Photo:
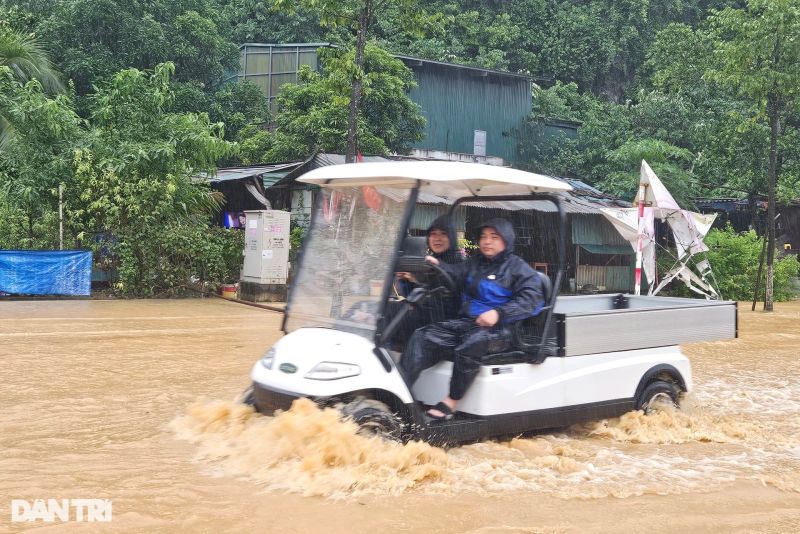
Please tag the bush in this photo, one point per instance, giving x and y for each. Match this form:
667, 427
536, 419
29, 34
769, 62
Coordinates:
18, 231
163, 261
734, 260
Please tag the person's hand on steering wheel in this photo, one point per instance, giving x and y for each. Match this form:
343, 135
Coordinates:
407, 276
444, 276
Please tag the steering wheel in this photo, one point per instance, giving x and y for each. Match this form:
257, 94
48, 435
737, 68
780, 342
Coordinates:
444, 277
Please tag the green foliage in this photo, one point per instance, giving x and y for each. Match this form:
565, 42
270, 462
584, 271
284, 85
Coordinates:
256, 21
314, 115
757, 50
176, 255
133, 179
255, 144
27, 59
734, 260
239, 105
296, 237
91, 40
35, 159
678, 59
669, 162
19, 231
407, 14
198, 49
466, 246
727, 128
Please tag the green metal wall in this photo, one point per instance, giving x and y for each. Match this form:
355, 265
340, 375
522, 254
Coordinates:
594, 229
270, 66
456, 102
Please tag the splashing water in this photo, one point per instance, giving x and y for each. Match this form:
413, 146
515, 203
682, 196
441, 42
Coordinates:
306, 450
716, 438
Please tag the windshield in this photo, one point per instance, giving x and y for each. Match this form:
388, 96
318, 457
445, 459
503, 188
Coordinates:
346, 259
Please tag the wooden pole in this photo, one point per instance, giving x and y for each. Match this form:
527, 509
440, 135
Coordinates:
637, 287
60, 216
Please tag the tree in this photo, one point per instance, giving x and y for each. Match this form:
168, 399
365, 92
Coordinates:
134, 178
730, 142
199, 50
239, 105
36, 158
27, 59
359, 16
759, 56
314, 114
91, 40
256, 21
24, 59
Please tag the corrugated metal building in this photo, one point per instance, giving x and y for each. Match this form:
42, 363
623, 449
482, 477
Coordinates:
470, 111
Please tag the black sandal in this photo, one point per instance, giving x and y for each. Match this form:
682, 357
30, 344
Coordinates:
445, 409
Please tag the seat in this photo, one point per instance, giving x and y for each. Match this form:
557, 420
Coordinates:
527, 333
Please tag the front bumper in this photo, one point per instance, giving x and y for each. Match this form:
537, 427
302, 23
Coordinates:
268, 400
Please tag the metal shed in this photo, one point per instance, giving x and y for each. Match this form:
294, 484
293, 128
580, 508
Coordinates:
470, 111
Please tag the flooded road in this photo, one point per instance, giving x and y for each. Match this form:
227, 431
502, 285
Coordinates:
131, 401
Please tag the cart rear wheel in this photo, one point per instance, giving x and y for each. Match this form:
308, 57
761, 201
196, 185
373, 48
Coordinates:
655, 393
374, 419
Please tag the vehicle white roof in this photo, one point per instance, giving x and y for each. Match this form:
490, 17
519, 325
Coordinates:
448, 179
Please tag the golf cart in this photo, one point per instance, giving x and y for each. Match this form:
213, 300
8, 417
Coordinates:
580, 358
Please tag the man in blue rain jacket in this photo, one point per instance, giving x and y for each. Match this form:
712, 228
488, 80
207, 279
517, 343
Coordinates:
498, 289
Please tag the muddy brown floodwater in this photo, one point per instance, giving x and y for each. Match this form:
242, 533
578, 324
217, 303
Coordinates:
131, 401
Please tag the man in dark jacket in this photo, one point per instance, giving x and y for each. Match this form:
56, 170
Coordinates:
498, 289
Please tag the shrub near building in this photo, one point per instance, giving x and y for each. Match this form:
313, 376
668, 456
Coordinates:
734, 260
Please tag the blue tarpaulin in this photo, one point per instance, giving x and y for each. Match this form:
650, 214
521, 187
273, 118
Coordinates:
46, 272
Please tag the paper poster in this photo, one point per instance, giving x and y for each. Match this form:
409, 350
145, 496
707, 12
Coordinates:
252, 223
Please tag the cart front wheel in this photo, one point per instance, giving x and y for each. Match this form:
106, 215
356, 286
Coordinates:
248, 396
374, 418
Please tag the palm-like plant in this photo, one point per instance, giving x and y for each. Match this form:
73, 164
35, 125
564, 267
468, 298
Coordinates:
26, 59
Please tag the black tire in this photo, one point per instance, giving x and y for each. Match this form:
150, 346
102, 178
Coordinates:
248, 397
658, 391
374, 418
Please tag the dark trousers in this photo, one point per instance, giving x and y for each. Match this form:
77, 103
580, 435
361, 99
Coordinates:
461, 339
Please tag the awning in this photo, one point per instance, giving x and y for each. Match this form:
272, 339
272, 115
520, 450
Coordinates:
272, 178
607, 249
276, 170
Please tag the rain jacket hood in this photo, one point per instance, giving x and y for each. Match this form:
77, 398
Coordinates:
451, 255
506, 231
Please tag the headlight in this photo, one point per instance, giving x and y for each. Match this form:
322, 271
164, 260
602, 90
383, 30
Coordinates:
268, 358
333, 371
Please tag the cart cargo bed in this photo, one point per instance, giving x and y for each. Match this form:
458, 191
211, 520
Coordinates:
607, 323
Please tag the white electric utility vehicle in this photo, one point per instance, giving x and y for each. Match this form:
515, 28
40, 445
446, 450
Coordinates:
582, 358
